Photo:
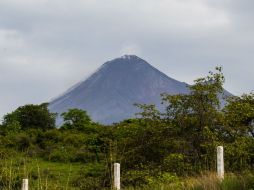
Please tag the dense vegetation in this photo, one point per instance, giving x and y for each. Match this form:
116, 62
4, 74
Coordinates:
155, 148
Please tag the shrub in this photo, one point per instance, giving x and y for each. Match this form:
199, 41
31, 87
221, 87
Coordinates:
92, 177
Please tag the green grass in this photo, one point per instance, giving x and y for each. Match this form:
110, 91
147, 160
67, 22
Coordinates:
46, 175
42, 174
207, 181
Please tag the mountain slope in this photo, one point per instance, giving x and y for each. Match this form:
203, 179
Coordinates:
109, 94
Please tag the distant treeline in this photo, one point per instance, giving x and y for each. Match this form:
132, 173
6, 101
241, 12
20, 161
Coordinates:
180, 141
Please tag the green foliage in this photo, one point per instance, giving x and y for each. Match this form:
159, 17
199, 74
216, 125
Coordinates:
76, 117
239, 115
137, 178
204, 182
149, 112
240, 154
11, 124
79, 120
174, 163
30, 116
93, 177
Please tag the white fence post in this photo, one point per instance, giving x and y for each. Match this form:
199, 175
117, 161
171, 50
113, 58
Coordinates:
24, 184
117, 183
220, 162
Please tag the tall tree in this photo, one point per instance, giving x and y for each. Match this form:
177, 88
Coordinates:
201, 107
76, 119
31, 116
239, 115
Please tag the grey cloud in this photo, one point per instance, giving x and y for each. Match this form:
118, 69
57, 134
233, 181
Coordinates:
48, 45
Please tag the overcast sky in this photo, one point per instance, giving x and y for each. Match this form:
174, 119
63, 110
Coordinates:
46, 46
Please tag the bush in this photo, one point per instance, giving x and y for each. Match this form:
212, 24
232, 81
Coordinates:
174, 163
137, 178
23, 141
92, 177
60, 155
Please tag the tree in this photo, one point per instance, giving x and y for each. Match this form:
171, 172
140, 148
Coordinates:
11, 123
149, 112
196, 117
76, 119
31, 116
239, 115
201, 107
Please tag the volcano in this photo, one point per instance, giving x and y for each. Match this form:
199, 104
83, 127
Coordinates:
108, 94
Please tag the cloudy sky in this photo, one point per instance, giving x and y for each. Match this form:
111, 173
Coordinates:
46, 46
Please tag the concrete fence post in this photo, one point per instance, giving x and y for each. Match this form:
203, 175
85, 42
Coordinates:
117, 183
24, 184
220, 162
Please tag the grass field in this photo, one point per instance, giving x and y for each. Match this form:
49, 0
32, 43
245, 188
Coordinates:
207, 181
42, 174
45, 175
